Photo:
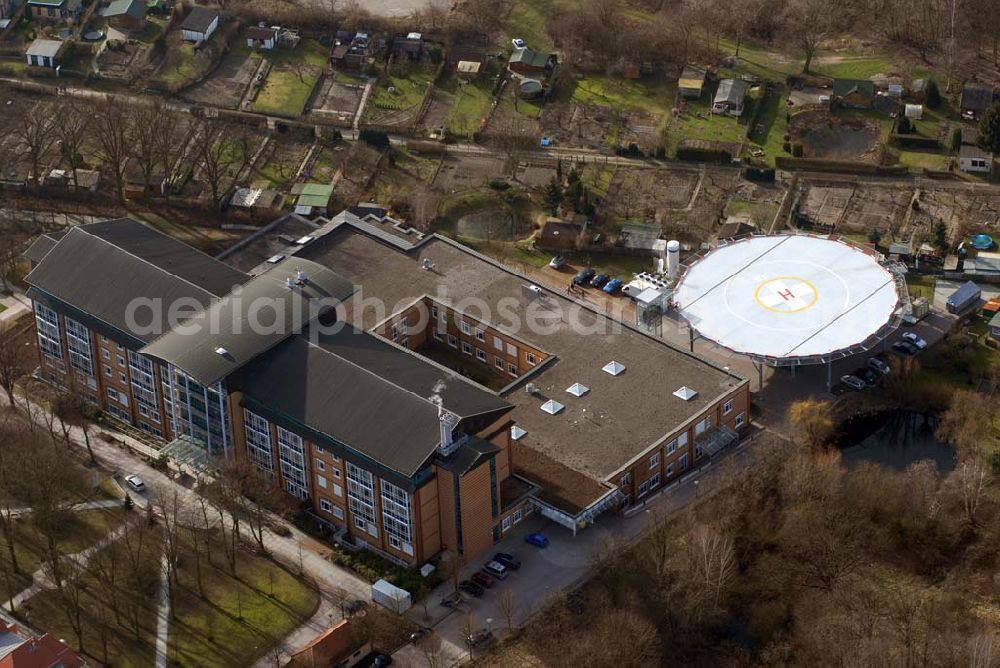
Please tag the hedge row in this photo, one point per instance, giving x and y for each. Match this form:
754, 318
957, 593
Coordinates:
914, 141
704, 155
818, 165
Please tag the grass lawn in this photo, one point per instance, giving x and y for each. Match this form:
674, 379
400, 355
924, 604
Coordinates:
855, 67
2, 308
527, 21
696, 122
917, 160
651, 94
240, 619
471, 103
409, 84
182, 64
286, 91
920, 285
771, 123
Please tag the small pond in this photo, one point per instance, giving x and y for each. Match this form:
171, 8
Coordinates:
895, 439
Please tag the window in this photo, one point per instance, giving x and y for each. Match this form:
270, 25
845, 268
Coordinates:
499, 362
321, 481
143, 382
404, 328
292, 458
480, 335
654, 461
438, 336
106, 354
703, 426
682, 463
78, 342
336, 473
122, 378
452, 341
104, 339
320, 464
336, 457
531, 359
396, 514
654, 482
626, 480
338, 490
47, 324
505, 525
393, 332
740, 419
512, 369
516, 516
259, 441
112, 394
121, 361
405, 342
512, 350
338, 512
434, 312
727, 408
670, 470
326, 506
498, 343
671, 446
107, 371
361, 495
466, 348
643, 488
480, 355
466, 327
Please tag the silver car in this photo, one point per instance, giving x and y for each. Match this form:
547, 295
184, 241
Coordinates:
853, 382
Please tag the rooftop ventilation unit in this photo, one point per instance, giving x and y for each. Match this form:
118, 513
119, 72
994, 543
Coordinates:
427, 264
301, 277
552, 407
577, 390
222, 351
614, 368
302, 241
275, 259
530, 388
686, 393
516, 432
290, 282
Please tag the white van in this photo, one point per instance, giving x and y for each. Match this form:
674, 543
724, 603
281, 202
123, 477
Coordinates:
496, 569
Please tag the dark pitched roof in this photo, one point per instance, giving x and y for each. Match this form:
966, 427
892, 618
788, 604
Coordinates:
265, 311
732, 91
101, 268
976, 97
530, 58
134, 8
41, 246
261, 33
844, 87
199, 19
364, 393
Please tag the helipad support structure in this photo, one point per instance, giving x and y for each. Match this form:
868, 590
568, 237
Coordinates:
791, 300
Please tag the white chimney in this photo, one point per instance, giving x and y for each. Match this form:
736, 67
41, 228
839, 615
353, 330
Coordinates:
427, 264
673, 258
290, 282
447, 422
301, 276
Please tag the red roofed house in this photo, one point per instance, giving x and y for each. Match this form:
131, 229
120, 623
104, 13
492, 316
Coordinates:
21, 649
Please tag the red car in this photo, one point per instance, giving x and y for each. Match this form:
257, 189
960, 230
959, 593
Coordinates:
482, 579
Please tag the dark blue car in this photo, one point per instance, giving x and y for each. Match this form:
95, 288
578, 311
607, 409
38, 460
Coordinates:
537, 539
611, 287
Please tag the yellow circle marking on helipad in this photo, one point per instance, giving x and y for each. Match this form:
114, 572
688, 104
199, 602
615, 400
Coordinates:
786, 294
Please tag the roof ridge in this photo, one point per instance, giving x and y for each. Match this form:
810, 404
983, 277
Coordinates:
145, 261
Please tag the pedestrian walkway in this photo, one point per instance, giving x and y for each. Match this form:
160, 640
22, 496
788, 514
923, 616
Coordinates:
163, 614
76, 507
13, 306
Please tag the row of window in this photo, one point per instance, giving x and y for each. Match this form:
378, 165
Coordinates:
499, 344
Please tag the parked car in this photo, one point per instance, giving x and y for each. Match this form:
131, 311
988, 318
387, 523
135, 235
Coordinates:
135, 482
508, 560
911, 337
537, 539
545, 142
584, 276
518, 43
905, 348
600, 280
354, 607
418, 634
867, 375
479, 638
471, 588
496, 569
482, 579
382, 660
448, 602
852, 382
557, 262
878, 364
611, 287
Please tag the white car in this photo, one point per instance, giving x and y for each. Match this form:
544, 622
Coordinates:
853, 382
136, 483
914, 339
518, 43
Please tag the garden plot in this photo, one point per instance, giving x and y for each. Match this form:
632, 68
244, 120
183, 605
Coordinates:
825, 205
227, 84
876, 208
697, 221
837, 137
356, 181
339, 99
458, 173
280, 168
963, 211
647, 193
535, 175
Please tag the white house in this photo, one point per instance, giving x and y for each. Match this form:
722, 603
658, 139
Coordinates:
261, 37
45, 53
974, 159
199, 25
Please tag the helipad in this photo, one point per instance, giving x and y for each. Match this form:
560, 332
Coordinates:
790, 298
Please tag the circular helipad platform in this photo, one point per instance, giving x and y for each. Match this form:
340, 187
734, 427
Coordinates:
789, 298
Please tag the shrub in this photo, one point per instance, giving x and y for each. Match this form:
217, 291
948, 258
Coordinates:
375, 138
499, 185
787, 147
933, 94
956, 140
797, 150
904, 127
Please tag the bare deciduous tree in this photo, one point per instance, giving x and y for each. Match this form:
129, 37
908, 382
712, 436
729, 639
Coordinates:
112, 127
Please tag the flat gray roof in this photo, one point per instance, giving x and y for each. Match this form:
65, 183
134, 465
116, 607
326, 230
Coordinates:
596, 434
49, 48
